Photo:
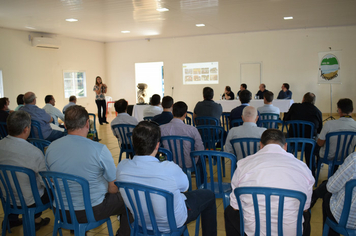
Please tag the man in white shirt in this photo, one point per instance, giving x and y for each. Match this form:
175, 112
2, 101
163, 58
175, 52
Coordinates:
248, 129
146, 169
271, 167
51, 110
154, 108
16, 151
268, 107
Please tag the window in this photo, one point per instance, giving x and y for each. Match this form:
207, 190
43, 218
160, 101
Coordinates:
74, 84
1, 86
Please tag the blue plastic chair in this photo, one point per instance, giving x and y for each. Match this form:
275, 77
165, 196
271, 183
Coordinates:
175, 144
268, 192
41, 144
269, 116
270, 124
12, 188
299, 129
299, 144
164, 154
220, 188
236, 122
225, 118
3, 130
244, 147
36, 131
61, 185
345, 145
125, 142
93, 130
138, 198
341, 226
206, 120
211, 135
148, 118
189, 118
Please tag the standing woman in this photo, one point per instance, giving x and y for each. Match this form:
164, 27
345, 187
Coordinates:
100, 90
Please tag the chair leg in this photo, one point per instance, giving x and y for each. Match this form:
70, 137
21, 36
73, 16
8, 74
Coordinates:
326, 229
317, 173
120, 154
197, 226
110, 227
330, 170
6, 225
226, 200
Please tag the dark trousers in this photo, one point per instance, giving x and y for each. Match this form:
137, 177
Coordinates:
327, 213
202, 202
101, 116
232, 222
113, 204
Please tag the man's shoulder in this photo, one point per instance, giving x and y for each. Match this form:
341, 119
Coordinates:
17, 145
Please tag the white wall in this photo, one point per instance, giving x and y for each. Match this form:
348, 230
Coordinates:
26, 68
287, 56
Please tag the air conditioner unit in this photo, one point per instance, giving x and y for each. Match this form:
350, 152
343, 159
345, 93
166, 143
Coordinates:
45, 42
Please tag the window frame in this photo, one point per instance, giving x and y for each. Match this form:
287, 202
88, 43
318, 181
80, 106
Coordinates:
75, 90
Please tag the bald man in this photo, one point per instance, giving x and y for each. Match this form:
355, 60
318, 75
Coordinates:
248, 129
41, 116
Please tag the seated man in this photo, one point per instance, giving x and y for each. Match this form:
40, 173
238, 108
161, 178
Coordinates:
41, 116
245, 98
4, 107
333, 193
228, 94
271, 167
242, 88
345, 123
248, 129
268, 107
262, 91
285, 93
177, 128
72, 102
154, 108
166, 116
146, 169
76, 154
208, 107
19, 101
16, 151
51, 110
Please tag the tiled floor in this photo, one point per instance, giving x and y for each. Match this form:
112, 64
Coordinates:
110, 141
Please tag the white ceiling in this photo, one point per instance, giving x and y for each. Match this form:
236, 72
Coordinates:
103, 20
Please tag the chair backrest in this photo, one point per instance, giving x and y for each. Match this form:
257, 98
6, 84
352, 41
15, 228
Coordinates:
225, 120
108, 98
61, 186
92, 129
177, 145
36, 131
148, 118
299, 129
140, 199
211, 135
258, 203
236, 122
211, 174
270, 124
269, 116
42, 144
189, 117
344, 142
3, 130
14, 201
164, 154
302, 145
121, 131
206, 120
244, 147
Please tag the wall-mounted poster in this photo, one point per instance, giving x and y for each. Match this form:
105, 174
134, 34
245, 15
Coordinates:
201, 73
329, 67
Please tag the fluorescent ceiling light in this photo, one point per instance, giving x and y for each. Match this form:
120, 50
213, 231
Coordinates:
125, 31
71, 20
288, 17
162, 9
199, 25
29, 27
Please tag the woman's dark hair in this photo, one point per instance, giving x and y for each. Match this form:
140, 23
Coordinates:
96, 80
19, 99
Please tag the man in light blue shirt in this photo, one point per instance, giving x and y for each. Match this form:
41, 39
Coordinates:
268, 107
168, 176
76, 154
72, 102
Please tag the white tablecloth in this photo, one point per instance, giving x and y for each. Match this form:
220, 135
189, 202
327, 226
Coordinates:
137, 111
283, 105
